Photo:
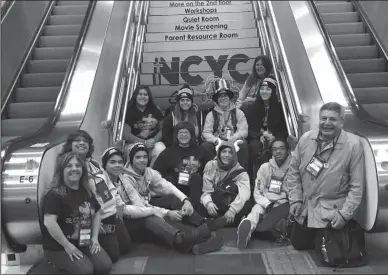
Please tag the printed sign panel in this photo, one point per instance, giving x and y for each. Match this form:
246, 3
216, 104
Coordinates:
171, 4
200, 10
203, 18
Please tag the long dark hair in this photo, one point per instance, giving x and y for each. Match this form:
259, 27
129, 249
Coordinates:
67, 147
58, 182
151, 102
253, 78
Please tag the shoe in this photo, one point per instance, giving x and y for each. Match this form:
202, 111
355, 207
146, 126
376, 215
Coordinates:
216, 224
213, 243
243, 233
191, 238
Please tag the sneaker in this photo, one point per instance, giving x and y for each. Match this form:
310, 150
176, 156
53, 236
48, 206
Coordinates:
243, 233
213, 243
193, 237
216, 224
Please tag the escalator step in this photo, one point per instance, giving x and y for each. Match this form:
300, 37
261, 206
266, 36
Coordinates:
21, 126
357, 52
71, 3
70, 10
378, 110
344, 40
53, 53
66, 19
61, 30
58, 41
372, 95
346, 28
42, 80
37, 94
368, 80
334, 7
30, 109
48, 66
4, 139
345, 17
363, 65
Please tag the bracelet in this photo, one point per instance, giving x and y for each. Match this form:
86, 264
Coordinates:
186, 199
295, 202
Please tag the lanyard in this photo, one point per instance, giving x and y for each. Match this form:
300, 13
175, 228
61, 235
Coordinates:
331, 151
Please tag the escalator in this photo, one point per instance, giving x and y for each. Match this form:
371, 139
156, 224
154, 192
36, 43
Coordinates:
35, 91
361, 55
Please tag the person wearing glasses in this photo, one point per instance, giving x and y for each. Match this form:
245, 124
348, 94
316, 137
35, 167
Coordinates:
271, 197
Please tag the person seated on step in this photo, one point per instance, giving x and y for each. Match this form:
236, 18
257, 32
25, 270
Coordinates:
184, 110
182, 163
262, 68
266, 120
225, 122
143, 122
226, 190
154, 190
271, 197
113, 236
72, 221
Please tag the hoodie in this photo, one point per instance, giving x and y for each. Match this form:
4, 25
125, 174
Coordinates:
213, 174
261, 194
242, 125
151, 184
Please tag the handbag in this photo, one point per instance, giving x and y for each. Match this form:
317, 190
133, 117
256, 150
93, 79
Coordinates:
226, 191
341, 248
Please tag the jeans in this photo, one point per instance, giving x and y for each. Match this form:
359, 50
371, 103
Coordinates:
99, 263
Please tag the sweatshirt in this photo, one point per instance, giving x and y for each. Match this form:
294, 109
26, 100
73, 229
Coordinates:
242, 126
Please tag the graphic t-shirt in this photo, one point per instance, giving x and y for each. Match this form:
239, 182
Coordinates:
145, 124
71, 206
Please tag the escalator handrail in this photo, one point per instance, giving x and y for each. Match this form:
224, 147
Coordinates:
294, 108
48, 125
5, 8
124, 60
27, 55
135, 64
367, 22
354, 105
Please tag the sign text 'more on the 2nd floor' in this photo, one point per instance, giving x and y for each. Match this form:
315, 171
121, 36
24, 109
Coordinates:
198, 3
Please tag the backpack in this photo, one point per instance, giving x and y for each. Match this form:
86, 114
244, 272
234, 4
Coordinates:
341, 247
233, 115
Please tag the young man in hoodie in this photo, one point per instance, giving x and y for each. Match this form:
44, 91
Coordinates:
270, 194
182, 163
226, 188
225, 122
176, 207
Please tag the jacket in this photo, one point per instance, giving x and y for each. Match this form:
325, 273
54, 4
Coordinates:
261, 194
339, 187
212, 176
208, 133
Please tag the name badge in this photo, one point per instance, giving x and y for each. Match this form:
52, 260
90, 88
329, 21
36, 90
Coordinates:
316, 166
85, 233
275, 185
184, 177
103, 190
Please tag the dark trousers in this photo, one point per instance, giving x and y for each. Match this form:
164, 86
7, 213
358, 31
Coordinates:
256, 157
242, 154
302, 237
116, 243
99, 263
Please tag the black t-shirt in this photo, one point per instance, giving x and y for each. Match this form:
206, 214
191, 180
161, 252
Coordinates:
145, 124
70, 206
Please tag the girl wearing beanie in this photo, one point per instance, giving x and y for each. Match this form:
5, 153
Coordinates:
266, 121
154, 190
184, 110
182, 162
226, 189
143, 122
113, 237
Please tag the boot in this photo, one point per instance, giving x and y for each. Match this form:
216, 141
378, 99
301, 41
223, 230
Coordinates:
213, 243
185, 241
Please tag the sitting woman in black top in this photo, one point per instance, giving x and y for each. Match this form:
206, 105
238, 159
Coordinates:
266, 121
184, 110
143, 122
182, 163
72, 221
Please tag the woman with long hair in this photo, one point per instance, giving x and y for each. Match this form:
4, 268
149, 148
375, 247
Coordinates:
72, 221
143, 122
113, 236
184, 110
262, 68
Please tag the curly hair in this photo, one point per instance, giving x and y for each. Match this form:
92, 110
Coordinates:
253, 78
67, 147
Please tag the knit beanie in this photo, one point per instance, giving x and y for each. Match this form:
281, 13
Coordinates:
185, 92
134, 148
270, 82
110, 152
221, 85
